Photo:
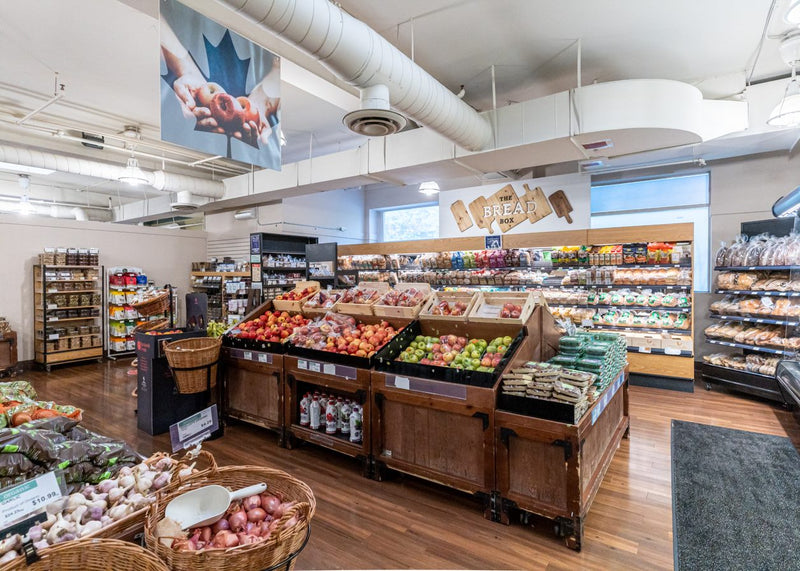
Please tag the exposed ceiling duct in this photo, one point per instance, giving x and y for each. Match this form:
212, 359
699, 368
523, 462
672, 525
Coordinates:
41, 208
362, 57
159, 179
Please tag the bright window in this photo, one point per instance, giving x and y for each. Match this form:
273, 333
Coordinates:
414, 223
670, 200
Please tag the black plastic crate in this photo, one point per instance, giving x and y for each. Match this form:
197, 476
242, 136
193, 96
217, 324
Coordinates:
253, 345
538, 408
385, 361
338, 358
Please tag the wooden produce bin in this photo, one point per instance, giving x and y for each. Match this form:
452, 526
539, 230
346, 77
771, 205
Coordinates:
554, 469
296, 306
302, 374
361, 309
253, 388
444, 431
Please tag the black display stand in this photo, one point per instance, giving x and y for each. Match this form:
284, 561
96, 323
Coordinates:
159, 404
323, 256
261, 246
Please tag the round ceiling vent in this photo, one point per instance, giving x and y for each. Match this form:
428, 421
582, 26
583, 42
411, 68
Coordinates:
374, 122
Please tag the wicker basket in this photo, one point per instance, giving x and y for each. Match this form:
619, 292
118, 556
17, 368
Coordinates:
91, 555
131, 525
278, 548
154, 305
192, 361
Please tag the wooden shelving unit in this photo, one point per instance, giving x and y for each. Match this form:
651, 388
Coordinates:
215, 286
61, 296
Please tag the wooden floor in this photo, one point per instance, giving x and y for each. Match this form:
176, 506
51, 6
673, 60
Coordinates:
408, 523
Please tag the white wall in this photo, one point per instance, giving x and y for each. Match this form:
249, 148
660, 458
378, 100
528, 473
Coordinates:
165, 256
317, 215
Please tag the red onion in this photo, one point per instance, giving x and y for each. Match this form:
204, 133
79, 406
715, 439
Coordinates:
248, 539
270, 503
256, 514
205, 534
225, 539
183, 545
281, 509
264, 529
251, 502
219, 525
237, 520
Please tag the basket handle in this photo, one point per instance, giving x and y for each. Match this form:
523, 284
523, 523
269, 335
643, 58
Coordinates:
248, 491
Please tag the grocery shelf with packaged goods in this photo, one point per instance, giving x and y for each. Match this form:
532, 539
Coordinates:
67, 289
637, 281
758, 315
124, 286
227, 288
277, 262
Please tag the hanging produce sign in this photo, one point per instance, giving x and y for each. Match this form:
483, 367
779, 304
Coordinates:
550, 203
220, 93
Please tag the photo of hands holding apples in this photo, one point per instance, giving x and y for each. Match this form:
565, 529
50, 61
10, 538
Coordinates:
217, 101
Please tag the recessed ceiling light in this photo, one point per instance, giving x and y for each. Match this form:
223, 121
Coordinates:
10, 167
429, 188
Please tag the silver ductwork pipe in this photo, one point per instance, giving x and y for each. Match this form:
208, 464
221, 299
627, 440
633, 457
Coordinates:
363, 58
159, 179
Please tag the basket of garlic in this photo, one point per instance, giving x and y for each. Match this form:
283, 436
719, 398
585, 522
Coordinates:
114, 508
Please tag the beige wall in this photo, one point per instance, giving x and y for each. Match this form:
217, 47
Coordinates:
165, 256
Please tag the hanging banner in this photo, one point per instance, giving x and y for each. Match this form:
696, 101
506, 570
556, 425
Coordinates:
220, 93
534, 205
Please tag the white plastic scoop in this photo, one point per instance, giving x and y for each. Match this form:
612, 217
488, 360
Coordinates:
206, 505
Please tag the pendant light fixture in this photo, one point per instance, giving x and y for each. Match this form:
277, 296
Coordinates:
429, 188
133, 175
787, 111
793, 13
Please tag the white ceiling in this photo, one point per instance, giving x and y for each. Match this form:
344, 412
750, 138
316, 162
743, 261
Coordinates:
106, 53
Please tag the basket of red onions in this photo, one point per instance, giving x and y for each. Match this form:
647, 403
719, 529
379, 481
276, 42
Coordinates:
257, 532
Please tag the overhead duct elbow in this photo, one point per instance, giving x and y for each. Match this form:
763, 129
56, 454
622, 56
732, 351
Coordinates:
177, 183
363, 58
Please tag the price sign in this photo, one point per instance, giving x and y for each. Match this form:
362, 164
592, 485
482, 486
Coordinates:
644, 349
194, 429
401, 383
671, 351
314, 367
248, 355
263, 358
23, 499
329, 369
302, 364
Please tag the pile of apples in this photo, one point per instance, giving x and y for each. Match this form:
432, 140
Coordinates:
323, 299
296, 295
360, 295
273, 326
410, 297
456, 352
444, 308
511, 310
336, 333
495, 351
437, 351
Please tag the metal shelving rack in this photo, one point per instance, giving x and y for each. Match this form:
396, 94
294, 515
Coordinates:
48, 314
750, 382
262, 246
217, 286
111, 353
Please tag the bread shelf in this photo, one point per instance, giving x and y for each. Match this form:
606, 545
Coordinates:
758, 348
755, 268
766, 320
761, 293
